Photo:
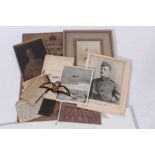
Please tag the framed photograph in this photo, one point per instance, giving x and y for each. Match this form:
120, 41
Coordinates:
78, 81
53, 41
30, 56
109, 86
79, 43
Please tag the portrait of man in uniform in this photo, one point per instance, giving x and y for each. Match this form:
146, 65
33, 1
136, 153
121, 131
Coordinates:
104, 88
109, 87
107, 81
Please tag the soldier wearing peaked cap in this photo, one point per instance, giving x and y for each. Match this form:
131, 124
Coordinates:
103, 88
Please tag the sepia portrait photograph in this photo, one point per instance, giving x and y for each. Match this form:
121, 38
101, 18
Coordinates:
83, 47
30, 56
78, 81
108, 83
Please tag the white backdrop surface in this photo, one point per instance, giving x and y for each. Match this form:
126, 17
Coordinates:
134, 43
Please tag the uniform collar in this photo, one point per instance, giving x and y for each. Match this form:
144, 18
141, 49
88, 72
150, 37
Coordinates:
105, 79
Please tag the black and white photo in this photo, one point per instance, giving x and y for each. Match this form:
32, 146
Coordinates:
107, 82
109, 86
30, 56
78, 81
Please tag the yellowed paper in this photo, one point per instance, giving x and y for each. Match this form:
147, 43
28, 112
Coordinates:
32, 93
27, 112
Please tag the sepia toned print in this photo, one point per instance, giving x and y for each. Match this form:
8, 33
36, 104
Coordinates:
30, 56
71, 113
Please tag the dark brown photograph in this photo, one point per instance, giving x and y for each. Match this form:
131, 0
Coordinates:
30, 56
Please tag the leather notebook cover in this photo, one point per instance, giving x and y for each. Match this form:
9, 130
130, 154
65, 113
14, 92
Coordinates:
71, 113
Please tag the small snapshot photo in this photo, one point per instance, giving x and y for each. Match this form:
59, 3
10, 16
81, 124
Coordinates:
85, 47
78, 81
30, 56
107, 81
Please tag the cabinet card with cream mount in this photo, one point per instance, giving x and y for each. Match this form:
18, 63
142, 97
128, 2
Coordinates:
109, 88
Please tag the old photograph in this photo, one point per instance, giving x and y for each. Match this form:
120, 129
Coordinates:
78, 81
109, 84
83, 47
27, 112
107, 81
78, 43
30, 56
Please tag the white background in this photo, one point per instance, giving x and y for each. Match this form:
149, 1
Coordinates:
78, 13
134, 43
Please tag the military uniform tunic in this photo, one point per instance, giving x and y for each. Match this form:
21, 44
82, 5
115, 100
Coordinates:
104, 89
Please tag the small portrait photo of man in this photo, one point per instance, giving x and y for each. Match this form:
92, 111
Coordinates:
34, 64
30, 56
104, 88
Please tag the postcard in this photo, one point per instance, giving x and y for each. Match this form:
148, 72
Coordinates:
78, 81
109, 88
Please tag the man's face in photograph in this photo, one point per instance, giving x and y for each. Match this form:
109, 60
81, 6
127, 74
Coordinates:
105, 71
